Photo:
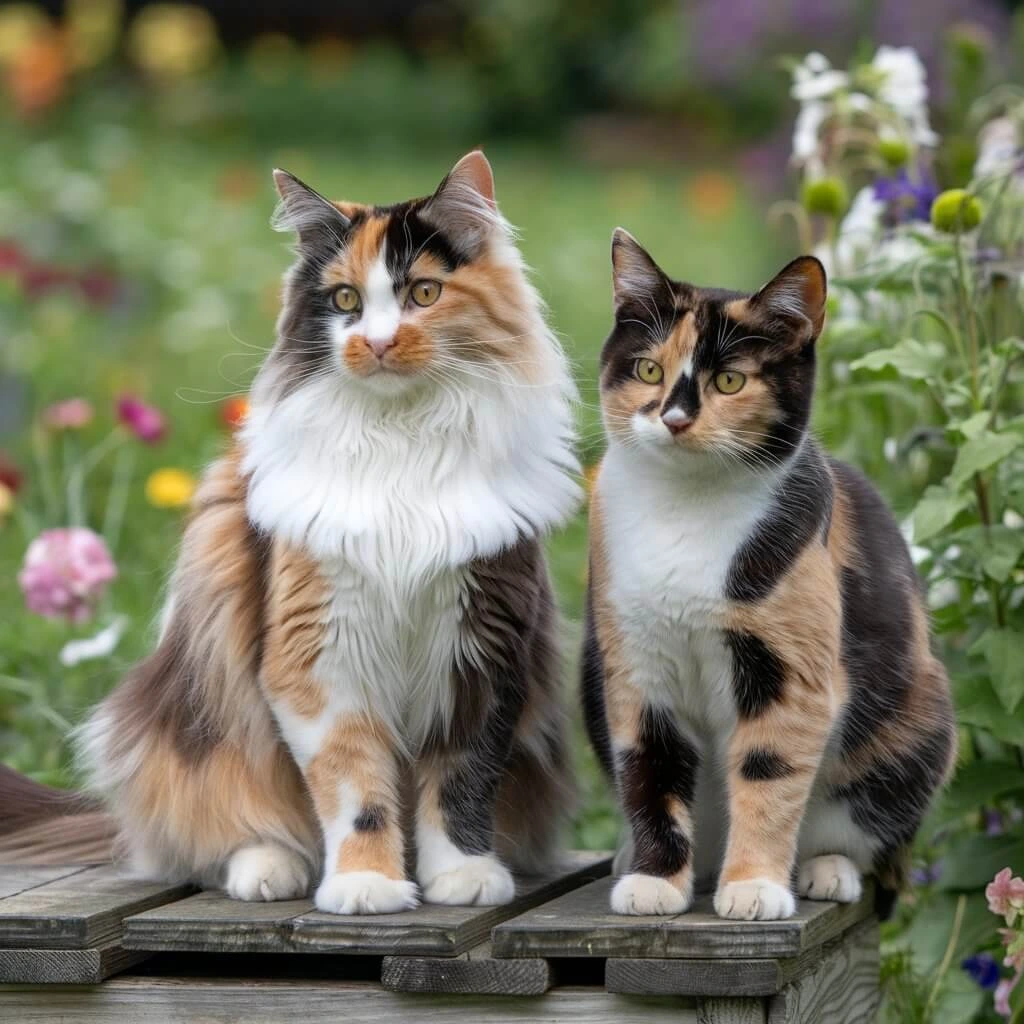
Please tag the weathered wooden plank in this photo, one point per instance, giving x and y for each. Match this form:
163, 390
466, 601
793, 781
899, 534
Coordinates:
475, 972
211, 922
66, 966
140, 1000
706, 977
81, 910
580, 924
15, 878
843, 988
731, 1011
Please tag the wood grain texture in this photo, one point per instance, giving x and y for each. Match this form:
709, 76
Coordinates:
15, 878
731, 1011
80, 910
580, 924
210, 922
842, 989
475, 972
65, 966
141, 1000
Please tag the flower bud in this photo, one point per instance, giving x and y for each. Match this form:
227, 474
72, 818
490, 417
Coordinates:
825, 196
956, 210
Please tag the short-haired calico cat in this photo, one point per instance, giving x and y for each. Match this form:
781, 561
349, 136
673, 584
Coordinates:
359, 643
757, 673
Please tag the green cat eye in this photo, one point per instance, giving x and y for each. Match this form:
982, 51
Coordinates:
648, 371
346, 299
425, 293
729, 381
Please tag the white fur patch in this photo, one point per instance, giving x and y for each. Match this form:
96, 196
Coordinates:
754, 899
266, 872
830, 878
365, 892
647, 894
447, 875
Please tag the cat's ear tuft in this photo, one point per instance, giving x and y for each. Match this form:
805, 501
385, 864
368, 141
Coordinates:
463, 206
316, 220
635, 275
796, 293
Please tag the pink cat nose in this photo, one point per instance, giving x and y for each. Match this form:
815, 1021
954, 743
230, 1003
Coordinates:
378, 346
676, 420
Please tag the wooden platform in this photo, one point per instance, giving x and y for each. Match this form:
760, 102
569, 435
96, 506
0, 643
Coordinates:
90, 944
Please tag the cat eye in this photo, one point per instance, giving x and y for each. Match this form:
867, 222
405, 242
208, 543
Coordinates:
729, 381
648, 371
346, 299
425, 293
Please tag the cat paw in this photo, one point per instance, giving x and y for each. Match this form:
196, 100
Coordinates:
476, 882
755, 899
831, 877
365, 892
266, 872
647, 894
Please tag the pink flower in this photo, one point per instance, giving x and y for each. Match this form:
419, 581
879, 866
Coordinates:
1001, 998
144, 421
71, 414
1005, 894
65, 572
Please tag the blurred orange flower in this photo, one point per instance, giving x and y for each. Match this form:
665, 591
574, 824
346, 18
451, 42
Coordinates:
711, 194
234, 411
38, 73
173, 40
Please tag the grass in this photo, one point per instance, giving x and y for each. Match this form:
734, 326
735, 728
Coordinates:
178, 205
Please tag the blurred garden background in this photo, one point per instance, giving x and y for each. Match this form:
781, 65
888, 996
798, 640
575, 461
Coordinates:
139, 282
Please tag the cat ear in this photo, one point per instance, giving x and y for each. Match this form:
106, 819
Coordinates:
797, 292
463, 205
316, 220
634, 274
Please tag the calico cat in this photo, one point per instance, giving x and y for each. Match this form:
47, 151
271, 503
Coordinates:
359, 643
757, 675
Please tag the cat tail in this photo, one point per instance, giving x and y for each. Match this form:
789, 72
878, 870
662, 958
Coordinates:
43, 825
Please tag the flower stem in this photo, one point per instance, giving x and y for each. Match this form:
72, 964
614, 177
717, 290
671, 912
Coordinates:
954, 938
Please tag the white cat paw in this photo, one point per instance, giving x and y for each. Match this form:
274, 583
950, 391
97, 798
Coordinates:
365, 892
266, 872
476, 882
831, 877
755, 899
647, 894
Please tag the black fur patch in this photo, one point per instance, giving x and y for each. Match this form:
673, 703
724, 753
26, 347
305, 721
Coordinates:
409, 235
685, 395
878, 600
372, 818
801, 511
758, 674
595, 718
762, 765
664, 763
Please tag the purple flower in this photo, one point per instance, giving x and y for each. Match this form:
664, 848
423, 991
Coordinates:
906, 199
144, 421
982, 969
994, 824
927, 875
65, 573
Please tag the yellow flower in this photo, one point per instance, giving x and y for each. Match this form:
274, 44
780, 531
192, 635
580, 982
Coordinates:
6, 501
170, 488
173, 40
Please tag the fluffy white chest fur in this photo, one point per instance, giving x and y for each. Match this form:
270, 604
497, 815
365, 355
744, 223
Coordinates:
670, 536
394, 498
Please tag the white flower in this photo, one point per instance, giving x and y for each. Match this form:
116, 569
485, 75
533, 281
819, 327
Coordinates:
890, 449
904, 88
101, 645
999, 149
805, 131
1012, 520
858, 231
816, 79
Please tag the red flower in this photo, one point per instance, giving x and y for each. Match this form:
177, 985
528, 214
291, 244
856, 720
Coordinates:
233, 411
10, 475
144, 421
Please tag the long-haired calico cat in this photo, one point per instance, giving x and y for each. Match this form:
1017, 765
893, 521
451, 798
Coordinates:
757, 673
359, 643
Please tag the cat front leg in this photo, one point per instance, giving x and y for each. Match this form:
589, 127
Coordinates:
785, 709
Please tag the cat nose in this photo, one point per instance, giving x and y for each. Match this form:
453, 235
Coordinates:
676, 420
378, 346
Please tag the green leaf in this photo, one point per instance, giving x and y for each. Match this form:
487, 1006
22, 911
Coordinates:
980, 783
998, 548
981, 452
1003, 649
972, 861
974, 425
929, 931
935, 511
917, 360
978, 705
